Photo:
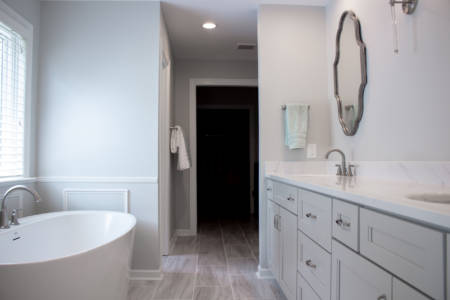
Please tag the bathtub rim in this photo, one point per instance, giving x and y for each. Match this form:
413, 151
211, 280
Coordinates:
30, 220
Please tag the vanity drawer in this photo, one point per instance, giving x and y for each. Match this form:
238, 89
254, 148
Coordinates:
286, 196
346, 223
304, 291
401, 291
412, 252
314, 264
269, 189
315, 220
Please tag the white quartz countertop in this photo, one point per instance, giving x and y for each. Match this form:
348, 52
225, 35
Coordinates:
387, 196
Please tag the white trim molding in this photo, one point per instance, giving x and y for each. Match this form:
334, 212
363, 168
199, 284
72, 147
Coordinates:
124, 193
193, 84
81, 179
137, 274
184, 232
264, 273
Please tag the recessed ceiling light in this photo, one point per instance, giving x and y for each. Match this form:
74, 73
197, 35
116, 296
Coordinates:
209, 25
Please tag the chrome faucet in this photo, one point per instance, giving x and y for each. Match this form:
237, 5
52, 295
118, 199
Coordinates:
4, 220
342, 168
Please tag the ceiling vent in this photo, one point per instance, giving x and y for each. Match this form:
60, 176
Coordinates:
246, 46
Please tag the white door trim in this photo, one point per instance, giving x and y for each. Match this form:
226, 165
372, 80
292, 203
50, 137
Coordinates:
193, 84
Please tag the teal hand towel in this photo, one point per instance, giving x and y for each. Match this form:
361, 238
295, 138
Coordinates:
296, 125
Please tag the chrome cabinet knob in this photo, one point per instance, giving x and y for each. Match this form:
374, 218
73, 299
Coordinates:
268, 189
290, 198
310, 264
311, 216
382, 297
342, 223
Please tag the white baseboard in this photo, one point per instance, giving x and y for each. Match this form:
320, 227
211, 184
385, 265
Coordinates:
264, 273
184, 232
145, 275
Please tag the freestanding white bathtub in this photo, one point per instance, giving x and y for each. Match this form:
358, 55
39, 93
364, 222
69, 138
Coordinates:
77, 255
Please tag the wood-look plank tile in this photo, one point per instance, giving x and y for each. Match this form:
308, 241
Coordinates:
237, 266
213, 293
238, 250
175, 286
250, 287
179, 263
142, 290
212, 276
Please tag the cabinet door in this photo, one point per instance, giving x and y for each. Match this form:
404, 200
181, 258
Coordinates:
273, 239
304, 291
404, 292
288, 275
410, 251
355, 278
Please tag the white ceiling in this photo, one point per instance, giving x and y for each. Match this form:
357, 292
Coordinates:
236, 22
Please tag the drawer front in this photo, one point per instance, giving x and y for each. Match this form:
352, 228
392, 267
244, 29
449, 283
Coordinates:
269, 189
401, 291
314, 264
346, 223
304, 291
355, 278
412, 252
286, 196
315, 220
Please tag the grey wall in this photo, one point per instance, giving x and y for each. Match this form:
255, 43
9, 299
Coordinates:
407, 97
98, 106
184, 71
292, 68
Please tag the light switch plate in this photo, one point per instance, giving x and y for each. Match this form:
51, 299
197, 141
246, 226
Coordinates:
311, 151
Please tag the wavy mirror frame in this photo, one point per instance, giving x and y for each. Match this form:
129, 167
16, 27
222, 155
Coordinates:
363, 60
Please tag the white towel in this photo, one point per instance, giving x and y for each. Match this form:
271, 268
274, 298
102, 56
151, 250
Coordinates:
296, 125
178, 145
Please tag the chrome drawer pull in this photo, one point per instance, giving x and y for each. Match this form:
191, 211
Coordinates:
310, 264
269, 189
342, 223
382, 297
310, 215
290, 198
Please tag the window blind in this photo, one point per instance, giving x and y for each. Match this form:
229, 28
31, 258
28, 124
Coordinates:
12, 102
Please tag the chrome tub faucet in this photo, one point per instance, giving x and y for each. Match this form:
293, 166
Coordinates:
4, 219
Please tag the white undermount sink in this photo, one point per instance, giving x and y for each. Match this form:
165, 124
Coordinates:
431, 197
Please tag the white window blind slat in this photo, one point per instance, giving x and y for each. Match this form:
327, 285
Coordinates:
12, 102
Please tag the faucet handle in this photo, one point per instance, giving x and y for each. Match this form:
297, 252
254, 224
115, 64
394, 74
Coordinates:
14, 218
339, 170
350, 171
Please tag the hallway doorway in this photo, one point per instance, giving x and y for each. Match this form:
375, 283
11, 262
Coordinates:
227, 153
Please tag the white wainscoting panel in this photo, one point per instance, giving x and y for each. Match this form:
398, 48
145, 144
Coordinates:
96, 199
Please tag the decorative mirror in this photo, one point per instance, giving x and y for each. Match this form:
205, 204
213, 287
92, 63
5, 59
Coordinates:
350, 72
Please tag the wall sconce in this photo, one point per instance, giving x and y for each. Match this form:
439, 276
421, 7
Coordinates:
408, 7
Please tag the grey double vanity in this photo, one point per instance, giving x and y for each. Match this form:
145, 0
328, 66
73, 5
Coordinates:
355, 238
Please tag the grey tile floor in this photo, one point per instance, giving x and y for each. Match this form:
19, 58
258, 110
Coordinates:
218, 264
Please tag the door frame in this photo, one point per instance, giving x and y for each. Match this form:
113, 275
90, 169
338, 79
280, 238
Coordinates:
193, 84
